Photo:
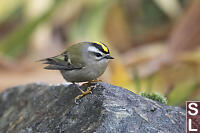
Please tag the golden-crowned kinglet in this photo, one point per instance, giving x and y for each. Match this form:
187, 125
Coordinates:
81, 62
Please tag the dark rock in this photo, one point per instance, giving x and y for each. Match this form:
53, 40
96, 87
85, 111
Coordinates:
42, 108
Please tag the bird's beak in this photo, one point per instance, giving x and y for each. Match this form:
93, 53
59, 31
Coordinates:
109, 57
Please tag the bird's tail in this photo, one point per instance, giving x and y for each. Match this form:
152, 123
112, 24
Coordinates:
54, 63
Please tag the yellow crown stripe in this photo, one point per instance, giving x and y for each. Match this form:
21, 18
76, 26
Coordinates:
102, 45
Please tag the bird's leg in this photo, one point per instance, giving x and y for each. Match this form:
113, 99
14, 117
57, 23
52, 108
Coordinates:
83, 93
92, 81
88, 91
96, 80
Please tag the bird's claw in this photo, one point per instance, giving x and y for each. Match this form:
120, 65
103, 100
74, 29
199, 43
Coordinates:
83, 93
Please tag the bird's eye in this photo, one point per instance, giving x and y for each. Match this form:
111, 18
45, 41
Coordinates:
98, 54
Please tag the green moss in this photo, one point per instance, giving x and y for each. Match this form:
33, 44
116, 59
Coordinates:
155, 97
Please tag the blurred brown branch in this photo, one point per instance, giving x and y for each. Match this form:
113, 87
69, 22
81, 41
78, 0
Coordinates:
184, 37
186, 34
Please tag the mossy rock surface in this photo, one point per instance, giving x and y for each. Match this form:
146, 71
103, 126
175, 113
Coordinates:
50, 108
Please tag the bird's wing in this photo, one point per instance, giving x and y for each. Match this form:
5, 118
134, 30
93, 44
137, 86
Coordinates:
60, 62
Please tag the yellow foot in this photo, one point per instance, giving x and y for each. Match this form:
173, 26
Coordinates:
83, 93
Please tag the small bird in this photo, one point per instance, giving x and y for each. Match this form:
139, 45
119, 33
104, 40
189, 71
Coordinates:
81, 62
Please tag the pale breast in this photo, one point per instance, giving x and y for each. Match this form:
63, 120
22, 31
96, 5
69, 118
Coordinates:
85, 74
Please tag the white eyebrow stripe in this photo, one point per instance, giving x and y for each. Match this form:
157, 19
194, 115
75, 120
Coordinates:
94, 49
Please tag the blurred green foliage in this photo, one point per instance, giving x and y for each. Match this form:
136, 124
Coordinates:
182, 92
91, 22
15, 42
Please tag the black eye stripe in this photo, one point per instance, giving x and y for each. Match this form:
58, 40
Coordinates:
98, 55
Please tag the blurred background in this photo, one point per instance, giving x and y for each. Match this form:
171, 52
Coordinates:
156, 43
